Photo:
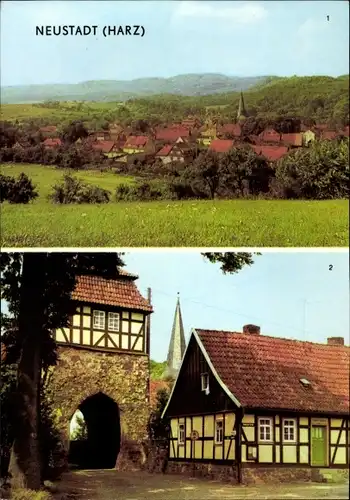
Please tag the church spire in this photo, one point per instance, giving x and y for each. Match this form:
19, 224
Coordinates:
242, 113
177, 344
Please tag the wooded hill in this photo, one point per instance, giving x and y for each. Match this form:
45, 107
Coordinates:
318, 98
114, 90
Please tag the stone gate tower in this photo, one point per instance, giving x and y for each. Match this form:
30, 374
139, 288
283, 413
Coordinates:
103, 371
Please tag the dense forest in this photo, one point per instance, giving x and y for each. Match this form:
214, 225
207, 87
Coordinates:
319, 98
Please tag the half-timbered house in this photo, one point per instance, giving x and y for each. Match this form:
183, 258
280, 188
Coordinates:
252, 404
103, 369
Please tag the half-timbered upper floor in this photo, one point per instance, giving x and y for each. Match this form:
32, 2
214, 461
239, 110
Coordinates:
111, 314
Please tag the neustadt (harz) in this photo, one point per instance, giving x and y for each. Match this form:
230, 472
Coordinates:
72, 30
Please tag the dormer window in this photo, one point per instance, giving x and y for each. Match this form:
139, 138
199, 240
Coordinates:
99, 320
205, 382
113, 322
305, 382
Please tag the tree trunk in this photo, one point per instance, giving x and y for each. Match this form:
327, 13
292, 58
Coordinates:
25, 457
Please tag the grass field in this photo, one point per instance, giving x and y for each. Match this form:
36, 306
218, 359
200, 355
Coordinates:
184, 224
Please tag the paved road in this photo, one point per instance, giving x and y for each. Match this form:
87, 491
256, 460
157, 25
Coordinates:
113, 485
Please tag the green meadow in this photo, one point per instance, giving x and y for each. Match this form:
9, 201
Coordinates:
275, 223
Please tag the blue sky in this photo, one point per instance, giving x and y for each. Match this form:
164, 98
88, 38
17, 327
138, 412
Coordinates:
291, 295
235, 38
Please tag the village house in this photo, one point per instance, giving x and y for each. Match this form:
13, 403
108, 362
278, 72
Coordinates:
247, 406
100, 135
270, 153
178, 152
138, 144
308, 137
172, 134
108, 148
208, 133
191, 123
52, 143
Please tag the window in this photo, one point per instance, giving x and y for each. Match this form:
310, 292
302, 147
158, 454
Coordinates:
181, 434
265, 429
205, 382
99, 320
113, 322
219, 431
289, 430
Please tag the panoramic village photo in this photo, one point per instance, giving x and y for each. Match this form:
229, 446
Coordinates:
174, 124
201, 376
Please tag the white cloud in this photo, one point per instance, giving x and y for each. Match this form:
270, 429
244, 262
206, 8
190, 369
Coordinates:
246, 13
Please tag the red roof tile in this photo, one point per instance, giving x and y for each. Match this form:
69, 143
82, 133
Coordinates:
271, 153
231, 128
136, 141
292, 139
265, 372
221, 145
52, 142
104, 146
115, 292
172, 134
165, 150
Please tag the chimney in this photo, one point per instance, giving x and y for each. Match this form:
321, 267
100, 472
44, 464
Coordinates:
335, 341
252, 329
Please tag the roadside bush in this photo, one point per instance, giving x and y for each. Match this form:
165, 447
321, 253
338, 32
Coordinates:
71, 190
17, 191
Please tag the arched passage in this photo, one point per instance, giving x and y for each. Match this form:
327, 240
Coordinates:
99, 445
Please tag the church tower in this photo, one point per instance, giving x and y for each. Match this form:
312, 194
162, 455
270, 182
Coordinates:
177, 344
242, 113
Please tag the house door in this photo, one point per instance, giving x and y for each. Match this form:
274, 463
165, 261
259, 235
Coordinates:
319, 446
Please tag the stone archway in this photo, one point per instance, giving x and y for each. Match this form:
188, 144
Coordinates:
101, 447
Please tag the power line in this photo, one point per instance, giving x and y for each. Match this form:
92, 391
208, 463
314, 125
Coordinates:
284, 325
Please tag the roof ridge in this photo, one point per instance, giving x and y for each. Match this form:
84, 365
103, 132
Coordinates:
270, 337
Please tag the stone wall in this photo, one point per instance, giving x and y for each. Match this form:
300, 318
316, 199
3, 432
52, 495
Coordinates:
123, 377
250, 475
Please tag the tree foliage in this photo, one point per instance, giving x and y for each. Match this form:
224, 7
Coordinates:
230, 262
319, 172
37, 287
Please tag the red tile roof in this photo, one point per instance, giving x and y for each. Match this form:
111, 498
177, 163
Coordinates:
293, 139
265, 372
104, 146
172, 134
165, 150
231, 128
136, 141
221, 145
346, 130
271, 153
52, 142
115, 292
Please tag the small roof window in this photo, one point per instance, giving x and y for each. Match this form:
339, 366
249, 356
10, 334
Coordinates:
305, 382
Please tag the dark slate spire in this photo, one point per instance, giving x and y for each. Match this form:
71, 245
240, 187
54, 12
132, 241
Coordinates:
177, 344
242, 113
